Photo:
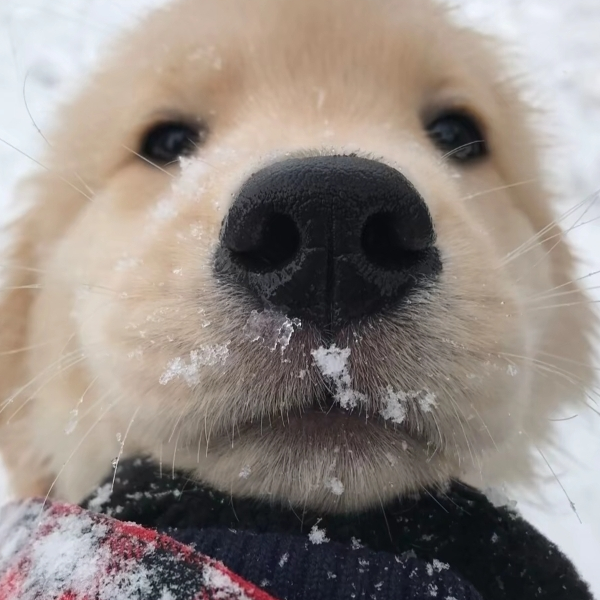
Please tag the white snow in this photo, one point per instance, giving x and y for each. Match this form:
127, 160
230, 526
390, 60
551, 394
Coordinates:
190, 369
284, 558
101, 497
396, 403
439, 566
45, 46
395, 406
186, 185
69, 555
335, 486
317, 536
69, 551
500, 499
356, 545
226, 587
245, 472
333, 364
272, 328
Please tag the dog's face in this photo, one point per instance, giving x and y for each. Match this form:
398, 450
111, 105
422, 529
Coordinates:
313, 260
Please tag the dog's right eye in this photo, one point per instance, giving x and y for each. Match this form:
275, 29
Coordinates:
166, 142
459, 136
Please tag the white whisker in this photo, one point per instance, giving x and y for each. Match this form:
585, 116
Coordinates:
39, 164
122, 447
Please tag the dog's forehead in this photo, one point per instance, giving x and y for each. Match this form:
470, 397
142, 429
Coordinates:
248, 64
344, 39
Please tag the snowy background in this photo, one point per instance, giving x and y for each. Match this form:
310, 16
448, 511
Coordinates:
46, 45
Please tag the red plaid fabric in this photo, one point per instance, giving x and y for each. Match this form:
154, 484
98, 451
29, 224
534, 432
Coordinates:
60, 552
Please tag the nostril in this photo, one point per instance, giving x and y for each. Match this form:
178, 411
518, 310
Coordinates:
389, 238
272, 245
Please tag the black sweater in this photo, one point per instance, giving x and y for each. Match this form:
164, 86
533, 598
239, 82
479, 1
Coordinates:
450, 545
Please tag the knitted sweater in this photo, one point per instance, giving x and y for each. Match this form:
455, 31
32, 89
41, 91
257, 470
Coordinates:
444, 544
156, 537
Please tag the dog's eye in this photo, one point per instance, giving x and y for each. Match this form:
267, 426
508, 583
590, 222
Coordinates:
459, 136
165, 142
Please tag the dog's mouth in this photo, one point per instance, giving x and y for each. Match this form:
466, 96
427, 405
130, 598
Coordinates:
327, 413
325, 421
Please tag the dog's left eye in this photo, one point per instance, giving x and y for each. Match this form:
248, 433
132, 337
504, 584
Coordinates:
459, 136
166, 142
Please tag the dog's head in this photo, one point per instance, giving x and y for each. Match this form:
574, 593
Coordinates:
302, 246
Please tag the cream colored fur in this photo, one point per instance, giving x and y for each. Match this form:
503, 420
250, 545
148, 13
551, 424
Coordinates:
109, 276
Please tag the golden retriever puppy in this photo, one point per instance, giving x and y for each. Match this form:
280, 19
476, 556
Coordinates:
303, 250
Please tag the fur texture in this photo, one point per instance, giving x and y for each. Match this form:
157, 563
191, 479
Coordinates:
116, 338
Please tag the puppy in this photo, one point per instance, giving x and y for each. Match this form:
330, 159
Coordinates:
303, 250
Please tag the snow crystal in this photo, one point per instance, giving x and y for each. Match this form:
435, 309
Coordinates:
499, 499
189, 371
245, 472
333, 364
427, 402
439, 566
396, 403
284, 558
224, 586
101, 497
317, 536
436, 567
395, 406
335, 486
187, 185
271, 328
495, 538
356, 545
14, 531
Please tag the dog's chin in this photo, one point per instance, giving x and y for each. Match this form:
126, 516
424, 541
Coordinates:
323, 457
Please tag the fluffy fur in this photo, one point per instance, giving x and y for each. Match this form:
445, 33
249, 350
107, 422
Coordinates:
116, 338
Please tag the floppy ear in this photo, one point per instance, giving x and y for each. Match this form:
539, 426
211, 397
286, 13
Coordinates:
19, 276
53, 204
54, 201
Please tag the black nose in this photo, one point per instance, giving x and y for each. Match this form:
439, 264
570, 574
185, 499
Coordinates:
330, 239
